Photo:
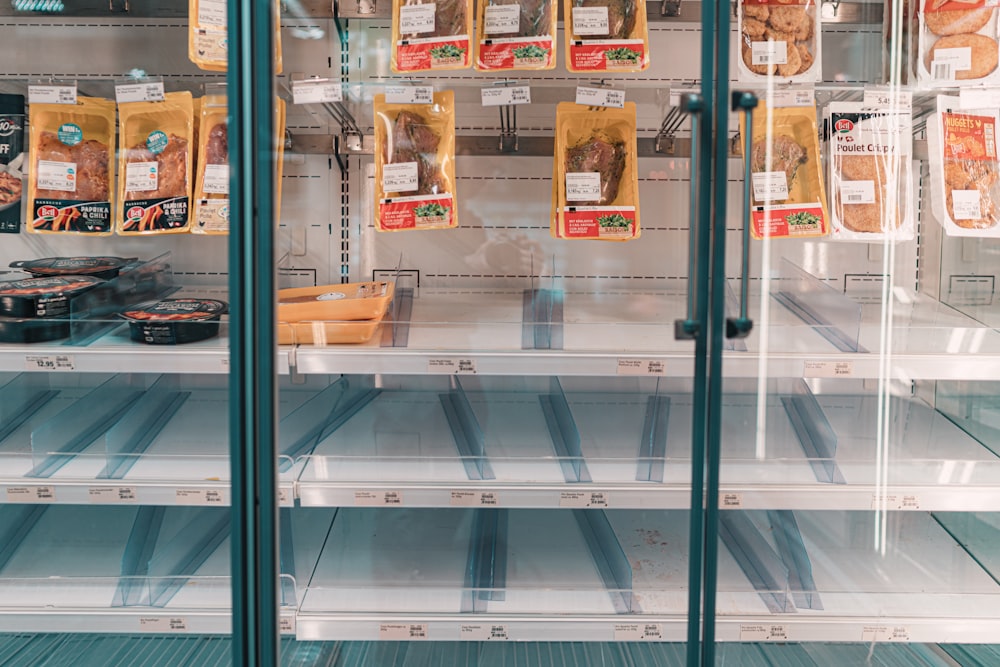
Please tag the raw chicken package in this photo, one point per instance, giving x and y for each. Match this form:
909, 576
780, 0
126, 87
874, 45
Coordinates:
431, 35
871, 182
596, 184
207, 35
779, 39
788, 197
415, 164
958, 42
516, 35
70, 184
155, 165
211, 191
606, 36
965, 172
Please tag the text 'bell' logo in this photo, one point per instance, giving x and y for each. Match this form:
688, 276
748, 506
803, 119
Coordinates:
135, 213
48, 211
843, 126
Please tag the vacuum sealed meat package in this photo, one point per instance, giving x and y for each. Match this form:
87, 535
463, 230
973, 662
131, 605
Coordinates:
208, 42
606, 36
958, 42
779, 39
211, 191
516, 35
11, 162
431, 35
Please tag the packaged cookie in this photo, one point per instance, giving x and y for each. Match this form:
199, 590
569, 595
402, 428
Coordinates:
603, 36
596, 173
958, 42
871, 185
431, 35
965, 173
779, 39
70, 183
516, 35
788, 197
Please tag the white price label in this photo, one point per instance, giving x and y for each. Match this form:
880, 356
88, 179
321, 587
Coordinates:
31, 494
162, 624
885, 633
54, 175
857, 192
769, 53
949, 61
53, 362
484, 633
378, 498
495, 96
113, 495
216, 179
212, 12
142, 176
965, 204
475, 499
316, 91
641, 366
600, 97
285, 497
409, 94
139, 92
770, 186
763, 632
591, 21
400, 177
884, 99
417, 19
452, 366
730, 501
793, 97
583, 499
224, 364
828, 369
583, 186
978, 98
502, 19
895, 502
200, 497
52, 94
402, 631
638, 632
286, 625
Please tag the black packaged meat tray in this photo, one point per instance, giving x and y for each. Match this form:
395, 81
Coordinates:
174, 321
43, 297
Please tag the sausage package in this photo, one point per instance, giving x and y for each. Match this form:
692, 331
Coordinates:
958, 42
70, 186
155, 165
788, 196
211, 190
516, 35
431, 35
779, 39
965, 172
871, 175
596, 173
207, 41
606, 36
415, 164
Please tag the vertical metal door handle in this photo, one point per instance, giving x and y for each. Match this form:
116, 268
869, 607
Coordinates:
739, 327
688, 328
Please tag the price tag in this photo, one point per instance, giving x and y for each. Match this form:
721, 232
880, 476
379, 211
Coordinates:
216, 179
583, 186
55, 362
885, 633
763, 632
402, 631
417, 19
452, 366
62, 94
31, 494
316, 91
793, 97
224, 364
162, 624
730, 501
882, 99
591, 21
638, 632
484, 633
502, 19
600, 97
141, 176
965, 203
495, 96
54, 175
378, 498
400, 177
857, 192
949, 61
286, 625
769, 53
641, 366
409, 94
583, 499
895, 502
475, 499
199, 497
978, 98
828, 369
770, 186
212, 12
112, 495
139, 92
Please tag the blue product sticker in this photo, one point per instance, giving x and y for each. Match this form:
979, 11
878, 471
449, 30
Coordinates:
70, 134
157, 142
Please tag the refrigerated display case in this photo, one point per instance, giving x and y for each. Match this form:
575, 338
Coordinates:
694, 447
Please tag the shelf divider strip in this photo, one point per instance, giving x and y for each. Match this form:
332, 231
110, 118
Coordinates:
564, 433
466, 431
653, 447
761, 565
793, 554
609, 558
816, 435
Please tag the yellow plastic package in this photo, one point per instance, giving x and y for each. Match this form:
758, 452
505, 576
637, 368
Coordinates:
207, 41
516, 35
211, 190
70, 184
789, 199
596, 173
155, 165
431, 35
606, 37
415, 164
280, 123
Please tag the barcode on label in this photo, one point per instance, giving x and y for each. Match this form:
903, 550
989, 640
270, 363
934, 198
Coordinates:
855, 198
944, 71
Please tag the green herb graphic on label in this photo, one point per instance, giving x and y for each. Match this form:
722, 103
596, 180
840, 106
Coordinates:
447, 51
622, 55
430, 210
616, 221
530, 51
802, 218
